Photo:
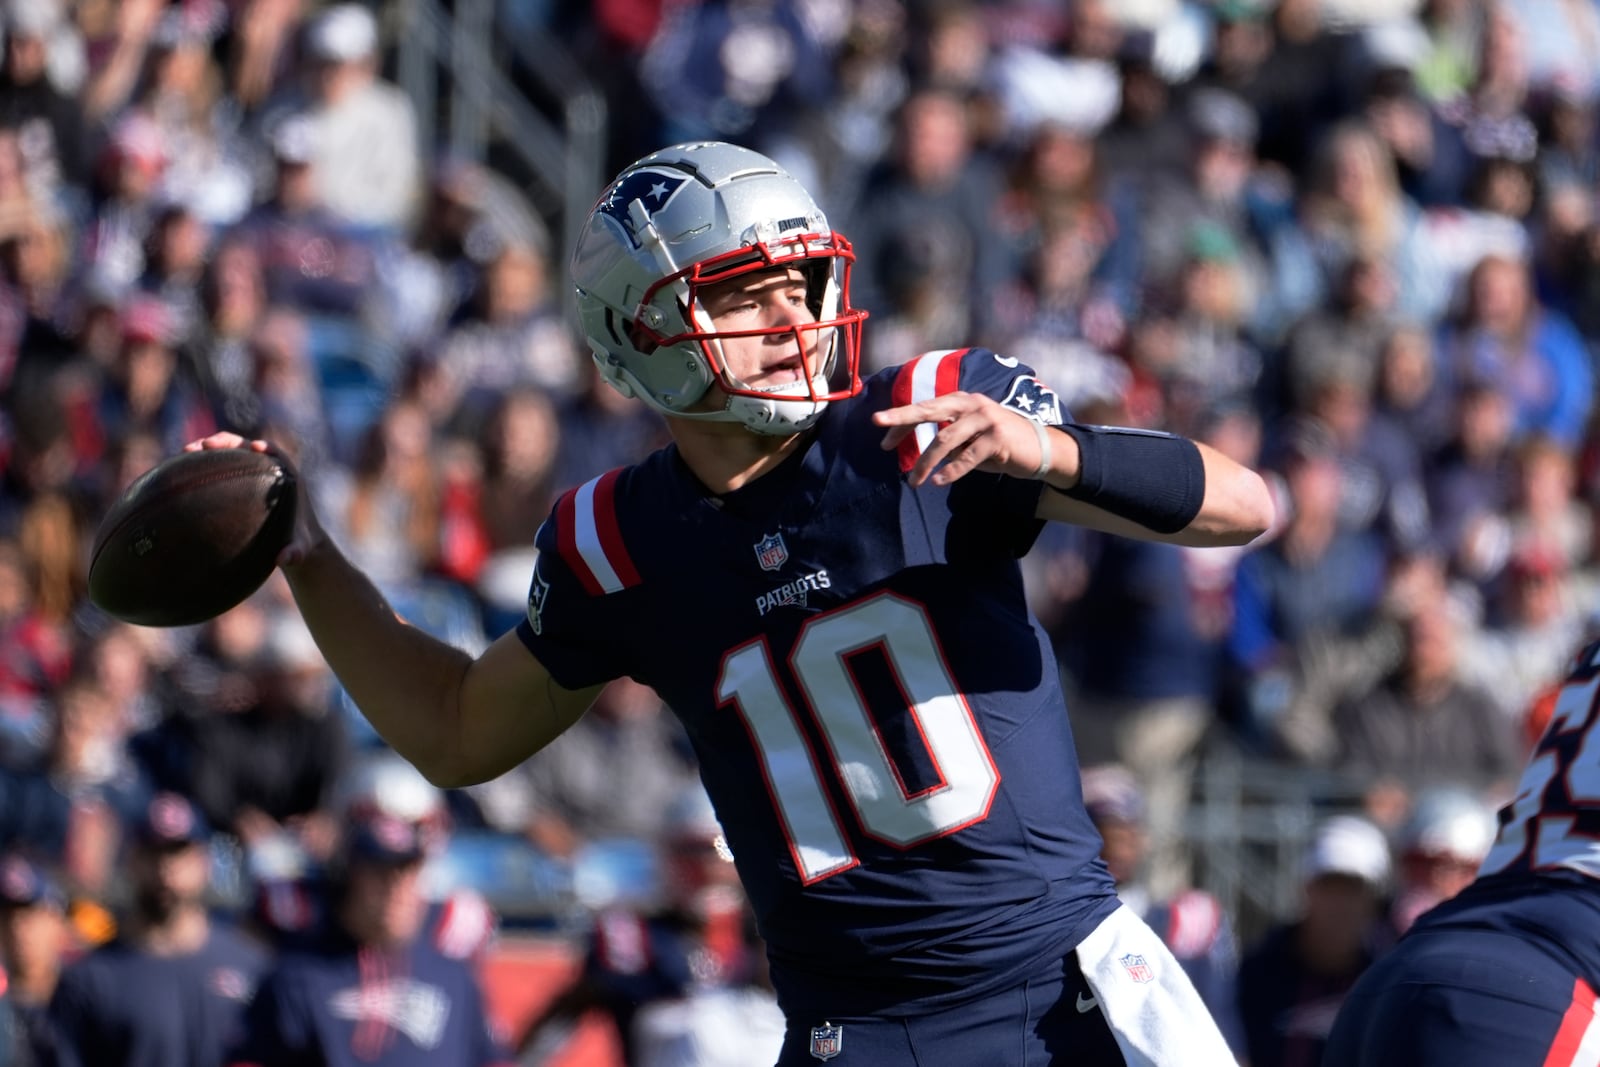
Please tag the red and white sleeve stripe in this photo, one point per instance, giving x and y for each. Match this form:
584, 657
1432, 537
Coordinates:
1577, 1042
589, 537
923, 378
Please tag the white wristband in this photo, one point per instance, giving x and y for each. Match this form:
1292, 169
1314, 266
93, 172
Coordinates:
1044, 449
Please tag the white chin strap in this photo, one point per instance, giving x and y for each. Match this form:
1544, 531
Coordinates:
784, 410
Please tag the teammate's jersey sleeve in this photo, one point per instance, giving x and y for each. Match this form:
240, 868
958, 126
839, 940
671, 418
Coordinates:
582, 566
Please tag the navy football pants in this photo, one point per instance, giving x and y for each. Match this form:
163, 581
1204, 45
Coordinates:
1036, 1024
1466, 998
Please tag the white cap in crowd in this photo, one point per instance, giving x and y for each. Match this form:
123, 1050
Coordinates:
344, 33
1349, 845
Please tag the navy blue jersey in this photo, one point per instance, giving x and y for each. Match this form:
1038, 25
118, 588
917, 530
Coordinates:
338, 1004
878, 719
123, 1007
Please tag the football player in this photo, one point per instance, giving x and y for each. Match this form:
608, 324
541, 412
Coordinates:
819, 575
1505, 972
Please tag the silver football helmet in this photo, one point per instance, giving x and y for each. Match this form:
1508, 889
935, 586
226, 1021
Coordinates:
690, 216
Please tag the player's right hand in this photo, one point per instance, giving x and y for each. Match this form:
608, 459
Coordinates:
308, 531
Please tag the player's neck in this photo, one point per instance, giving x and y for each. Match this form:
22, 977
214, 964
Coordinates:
726, 456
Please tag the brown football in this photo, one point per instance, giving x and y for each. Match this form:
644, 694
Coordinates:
192, 537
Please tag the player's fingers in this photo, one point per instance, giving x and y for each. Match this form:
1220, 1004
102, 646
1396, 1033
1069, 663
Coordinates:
957, 436
224, 439
896, 434
937, 409
978, 445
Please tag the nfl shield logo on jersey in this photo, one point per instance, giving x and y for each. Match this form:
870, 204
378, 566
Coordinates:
827, 1041
1137, 967
771, 552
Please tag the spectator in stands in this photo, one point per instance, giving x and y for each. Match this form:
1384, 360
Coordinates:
566, 797
510, 336
1421, 725
1074, 239
310, 257
286, 386
519, 444
170, 990
1191, 921
268, 772
1546, 514
1531, 354
35, 945
71, 807
124, 199
1293, 980
233, 299
1534, 622
372, 971
366, 158
49, 118
387, 513
1219, 186
1472, 482
1315, 581
209, 164
148, 390
1440, 847
651, 969
1351, 206
1382, 491
601, 429
934, 193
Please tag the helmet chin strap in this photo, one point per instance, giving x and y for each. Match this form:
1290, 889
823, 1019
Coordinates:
780, 411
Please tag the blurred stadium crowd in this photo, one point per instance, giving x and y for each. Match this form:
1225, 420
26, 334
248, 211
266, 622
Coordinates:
1351, 242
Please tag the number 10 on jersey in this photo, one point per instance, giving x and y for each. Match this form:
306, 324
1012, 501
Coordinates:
856, 753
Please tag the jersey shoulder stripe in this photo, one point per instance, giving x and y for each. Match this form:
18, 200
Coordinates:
589, 537
923, 378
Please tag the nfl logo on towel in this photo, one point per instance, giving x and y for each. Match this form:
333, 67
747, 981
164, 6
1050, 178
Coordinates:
1136, 966
771, 552
827, 1041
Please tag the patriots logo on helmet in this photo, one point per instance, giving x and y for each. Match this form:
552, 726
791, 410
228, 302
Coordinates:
652, 187
1031, 397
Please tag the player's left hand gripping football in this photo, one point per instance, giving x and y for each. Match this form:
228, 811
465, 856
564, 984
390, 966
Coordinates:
975, 433
308, 532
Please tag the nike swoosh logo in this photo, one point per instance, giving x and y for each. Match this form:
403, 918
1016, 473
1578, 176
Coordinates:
1005, 361
1086, 1004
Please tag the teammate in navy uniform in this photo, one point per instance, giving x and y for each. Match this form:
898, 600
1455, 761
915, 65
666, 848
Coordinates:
1505, 972
819, 575
371, 971
170, 989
